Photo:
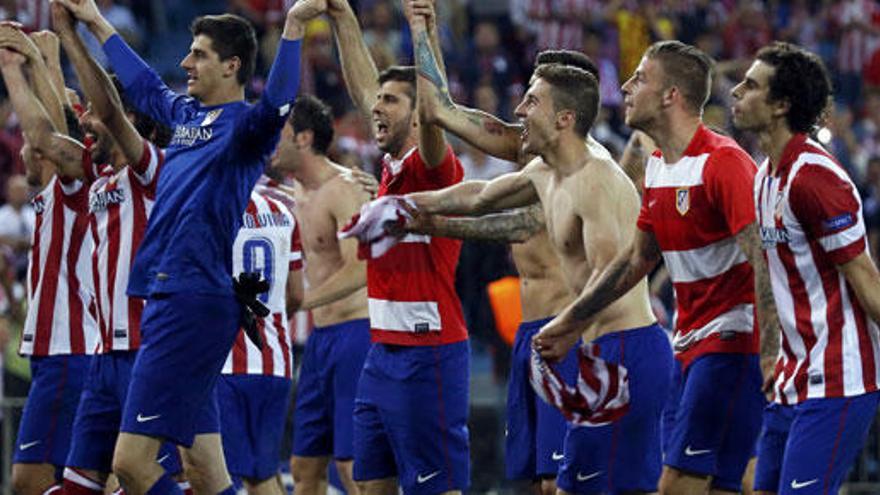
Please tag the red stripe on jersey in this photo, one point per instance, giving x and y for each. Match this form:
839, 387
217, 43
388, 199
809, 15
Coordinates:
139, 217
75, 305
268, 361
802, 313
834, 320
239, 354
113, 241
283, 342
36, 262
46, 313
99, 301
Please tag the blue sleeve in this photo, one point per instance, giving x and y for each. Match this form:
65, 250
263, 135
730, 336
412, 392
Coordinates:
143, 87
260, 125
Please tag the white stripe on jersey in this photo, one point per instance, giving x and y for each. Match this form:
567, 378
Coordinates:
264, 244
60, 292
120, 205
704, 262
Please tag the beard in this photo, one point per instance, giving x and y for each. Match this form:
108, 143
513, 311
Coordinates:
397, 137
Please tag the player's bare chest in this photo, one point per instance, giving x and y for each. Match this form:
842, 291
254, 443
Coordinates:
317, 226
563, 222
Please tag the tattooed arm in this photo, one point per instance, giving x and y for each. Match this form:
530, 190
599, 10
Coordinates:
621, 275
432, 141
512, 226
749, 241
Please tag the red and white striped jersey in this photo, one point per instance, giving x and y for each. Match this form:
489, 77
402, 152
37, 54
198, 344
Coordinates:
119, 206
694, 208
811, 221
59, 284
268, 243
411, 289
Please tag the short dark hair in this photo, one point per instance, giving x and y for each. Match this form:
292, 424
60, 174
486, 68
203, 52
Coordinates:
686, 67
801, 79
573, 89
401, 73
568, 57
311, 114
146, 126
231, 36
74, 130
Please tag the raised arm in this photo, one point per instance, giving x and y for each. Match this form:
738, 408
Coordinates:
513, 226
143, 87
476, 198
257, 131
39, 131
97, 86
47, 43
358, 68
13, 38
432, 141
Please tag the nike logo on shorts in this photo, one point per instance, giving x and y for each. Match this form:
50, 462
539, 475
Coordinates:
143, 419
797, 485
556, 456
28, 445
691, 452
582, 477
421, 479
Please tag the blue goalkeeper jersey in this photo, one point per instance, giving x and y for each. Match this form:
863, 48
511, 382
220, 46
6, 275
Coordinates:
214, 159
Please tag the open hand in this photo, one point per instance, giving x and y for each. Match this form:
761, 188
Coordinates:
366, 181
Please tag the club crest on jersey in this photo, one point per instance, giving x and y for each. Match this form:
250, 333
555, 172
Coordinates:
212, 116
39, 205
682, 200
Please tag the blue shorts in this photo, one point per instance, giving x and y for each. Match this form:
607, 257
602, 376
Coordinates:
718, 418
331, 367
809, 447
252, 423
185, 341
410, 417
624, 455
667, 423
535, 429
100, 411
47, 420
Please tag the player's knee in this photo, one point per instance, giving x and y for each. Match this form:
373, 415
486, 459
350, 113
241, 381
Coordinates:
125, 466
548, 486
675, 482
307, 470
28, 479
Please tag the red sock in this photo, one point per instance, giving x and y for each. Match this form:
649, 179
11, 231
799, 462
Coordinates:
76, 483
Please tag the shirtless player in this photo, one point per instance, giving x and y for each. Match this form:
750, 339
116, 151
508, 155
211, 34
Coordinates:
337, 296
557, 112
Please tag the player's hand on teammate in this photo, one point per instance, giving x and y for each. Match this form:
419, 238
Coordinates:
364, 180
418, 222
84, 10
556, 338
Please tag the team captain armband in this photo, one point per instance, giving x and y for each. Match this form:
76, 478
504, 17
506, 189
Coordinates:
600, 396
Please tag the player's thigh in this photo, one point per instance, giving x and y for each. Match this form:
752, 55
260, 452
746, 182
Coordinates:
674, 481
206, 457
384, 486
